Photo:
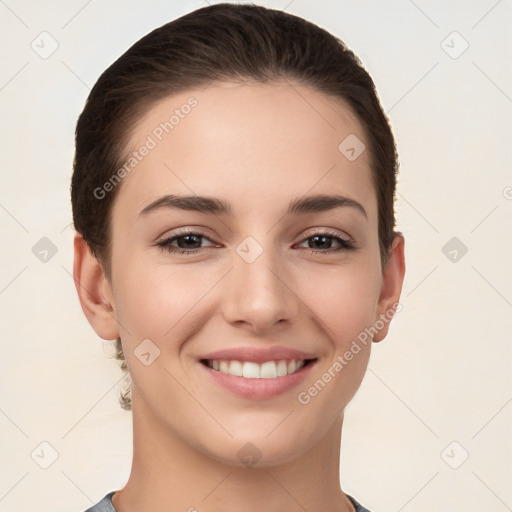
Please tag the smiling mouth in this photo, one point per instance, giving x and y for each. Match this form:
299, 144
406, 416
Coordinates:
252, 370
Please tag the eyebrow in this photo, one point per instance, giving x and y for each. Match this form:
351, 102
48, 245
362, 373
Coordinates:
214, 206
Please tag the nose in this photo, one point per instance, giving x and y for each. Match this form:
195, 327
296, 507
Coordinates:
259, 295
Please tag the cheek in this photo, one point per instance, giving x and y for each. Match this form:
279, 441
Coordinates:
343, 301
159, 301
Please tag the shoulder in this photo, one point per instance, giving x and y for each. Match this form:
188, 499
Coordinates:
105, 505
358, 507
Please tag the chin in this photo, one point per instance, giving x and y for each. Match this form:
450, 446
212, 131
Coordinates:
259, 449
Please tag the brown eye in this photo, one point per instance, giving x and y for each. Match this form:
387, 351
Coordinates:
188, 242
322, 242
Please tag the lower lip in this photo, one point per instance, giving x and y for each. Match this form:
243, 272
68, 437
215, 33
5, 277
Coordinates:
258, 389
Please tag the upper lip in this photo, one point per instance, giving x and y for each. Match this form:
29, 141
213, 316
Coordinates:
258, 355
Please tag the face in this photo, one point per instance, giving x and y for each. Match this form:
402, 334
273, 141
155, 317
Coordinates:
208, 293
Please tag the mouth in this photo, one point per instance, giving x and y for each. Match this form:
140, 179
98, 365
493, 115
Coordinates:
252, 370
257, 373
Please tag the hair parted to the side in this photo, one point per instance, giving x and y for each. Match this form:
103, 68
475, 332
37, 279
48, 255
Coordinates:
219, 42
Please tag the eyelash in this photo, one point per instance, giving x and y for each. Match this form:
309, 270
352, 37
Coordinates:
345, 245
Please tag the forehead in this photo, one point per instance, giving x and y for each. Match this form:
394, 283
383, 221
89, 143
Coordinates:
251, 143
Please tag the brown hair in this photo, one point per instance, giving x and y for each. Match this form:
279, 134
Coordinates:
215, 43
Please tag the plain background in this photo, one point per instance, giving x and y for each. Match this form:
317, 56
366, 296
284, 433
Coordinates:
430, 427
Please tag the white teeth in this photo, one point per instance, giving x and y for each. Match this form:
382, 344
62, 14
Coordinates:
236, 368
250, 370
282, 369
268, 370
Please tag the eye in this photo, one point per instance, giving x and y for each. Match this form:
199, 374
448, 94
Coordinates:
190, 242
187, 242
324, 240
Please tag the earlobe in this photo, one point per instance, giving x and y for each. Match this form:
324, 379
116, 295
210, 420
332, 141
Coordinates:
393, 278
93, 290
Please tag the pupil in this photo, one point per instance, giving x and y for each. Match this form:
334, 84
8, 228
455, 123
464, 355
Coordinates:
322, 238
188, 238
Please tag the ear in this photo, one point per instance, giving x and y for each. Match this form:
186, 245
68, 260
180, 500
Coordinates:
393, 278
94, 291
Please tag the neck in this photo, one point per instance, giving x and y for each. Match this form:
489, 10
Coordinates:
169, 474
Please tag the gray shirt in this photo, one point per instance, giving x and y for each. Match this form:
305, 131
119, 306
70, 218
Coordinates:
105, 505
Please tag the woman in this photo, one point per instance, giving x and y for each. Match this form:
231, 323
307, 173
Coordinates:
233, 200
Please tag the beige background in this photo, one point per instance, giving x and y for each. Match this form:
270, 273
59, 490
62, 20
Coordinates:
437, 389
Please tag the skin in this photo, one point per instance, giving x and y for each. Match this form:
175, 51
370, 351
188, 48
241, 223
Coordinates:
258, 147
